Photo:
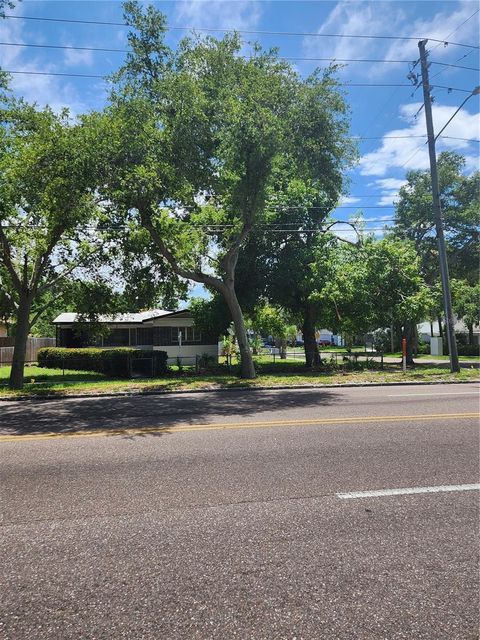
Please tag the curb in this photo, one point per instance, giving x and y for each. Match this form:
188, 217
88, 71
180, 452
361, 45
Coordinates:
160, 392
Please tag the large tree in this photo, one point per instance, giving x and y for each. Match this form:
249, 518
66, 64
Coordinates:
372, 286
46, 195
466, 304
460, 203
216, 128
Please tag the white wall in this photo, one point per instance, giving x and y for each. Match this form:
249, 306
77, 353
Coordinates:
189, 351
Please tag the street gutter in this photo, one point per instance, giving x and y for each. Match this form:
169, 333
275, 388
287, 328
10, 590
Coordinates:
156, 392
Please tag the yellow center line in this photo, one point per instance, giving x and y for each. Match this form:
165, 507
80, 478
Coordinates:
132, 431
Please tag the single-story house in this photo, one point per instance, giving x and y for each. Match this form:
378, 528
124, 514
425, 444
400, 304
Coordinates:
425, 331
170, 331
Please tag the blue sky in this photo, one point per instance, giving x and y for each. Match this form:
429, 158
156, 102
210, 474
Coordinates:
386, 114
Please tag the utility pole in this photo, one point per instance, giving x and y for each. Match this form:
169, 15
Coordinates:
437, 211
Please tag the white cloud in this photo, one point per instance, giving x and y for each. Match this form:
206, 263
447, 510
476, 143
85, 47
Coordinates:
391, 184
224, 14
350, 200
389, 19
389, 188
10, 31
42, 89
438, 26
408, 153
74, 58
354, 18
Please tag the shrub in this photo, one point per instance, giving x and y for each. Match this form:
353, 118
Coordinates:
207, 362
469, 350
463, 349
423, 347
111, 362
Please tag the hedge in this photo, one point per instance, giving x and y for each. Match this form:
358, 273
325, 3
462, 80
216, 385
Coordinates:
463, 349
111, 362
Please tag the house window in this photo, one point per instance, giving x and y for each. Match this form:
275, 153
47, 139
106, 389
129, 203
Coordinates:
194, 335
189, 334
144, 337
117, 338
175, 331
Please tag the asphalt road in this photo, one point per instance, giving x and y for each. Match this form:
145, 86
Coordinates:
221, 515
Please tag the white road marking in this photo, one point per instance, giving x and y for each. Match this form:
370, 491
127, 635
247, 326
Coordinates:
407, 491
438, 393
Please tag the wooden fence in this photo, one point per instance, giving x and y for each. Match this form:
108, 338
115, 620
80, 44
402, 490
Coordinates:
33, 345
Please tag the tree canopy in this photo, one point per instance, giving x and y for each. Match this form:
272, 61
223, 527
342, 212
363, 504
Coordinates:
200, 139
46, 203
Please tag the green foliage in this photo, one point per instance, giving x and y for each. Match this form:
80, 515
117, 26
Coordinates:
372, 286
423, 348
197, 140
468, 349
463, 349
460, 202
466, 301
7, 300
272, 321
211, 317
229, 347
207, 362
48, 175
87, 298
111, 362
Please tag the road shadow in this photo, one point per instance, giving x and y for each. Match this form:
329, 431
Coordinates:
120, 415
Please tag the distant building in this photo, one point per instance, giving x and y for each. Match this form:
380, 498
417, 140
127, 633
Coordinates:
425, 331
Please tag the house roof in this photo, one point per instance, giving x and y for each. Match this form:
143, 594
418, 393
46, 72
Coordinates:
460, 327
121, 318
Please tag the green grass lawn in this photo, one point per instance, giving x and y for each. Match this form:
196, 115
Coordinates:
427, 356
39, 381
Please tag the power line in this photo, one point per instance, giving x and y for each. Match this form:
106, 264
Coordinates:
293, 58
249, 32
462, 139
409, 138
449, 89
87, 75
451, 33
345, 84
219, 228
55, 73
456, 66
457, 28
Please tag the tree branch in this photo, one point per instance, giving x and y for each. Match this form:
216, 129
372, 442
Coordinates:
229, 260
6, 257
353, 244
197, 276
41, 261
61, 276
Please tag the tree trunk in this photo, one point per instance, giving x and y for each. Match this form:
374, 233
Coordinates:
247, 368
312, 355
440, 328
409, 335
392, 338
431, 329
283, 349
415, 339
20, 346
470, 333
